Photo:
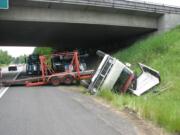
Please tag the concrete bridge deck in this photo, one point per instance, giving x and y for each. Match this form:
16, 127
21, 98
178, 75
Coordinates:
81, 23
117, 4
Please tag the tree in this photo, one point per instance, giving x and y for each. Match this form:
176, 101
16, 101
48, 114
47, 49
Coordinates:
20, 59
5, 58
43, 50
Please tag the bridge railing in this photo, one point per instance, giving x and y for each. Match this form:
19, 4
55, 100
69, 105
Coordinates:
121, 4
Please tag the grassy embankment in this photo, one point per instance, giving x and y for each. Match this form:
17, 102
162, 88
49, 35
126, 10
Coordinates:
161, 52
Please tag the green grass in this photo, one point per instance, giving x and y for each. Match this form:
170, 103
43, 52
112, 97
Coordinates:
161, 52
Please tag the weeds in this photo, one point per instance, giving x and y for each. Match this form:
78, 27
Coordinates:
162, 52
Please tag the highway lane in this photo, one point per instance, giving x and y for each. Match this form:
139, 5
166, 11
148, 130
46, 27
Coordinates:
8, 75
59, 110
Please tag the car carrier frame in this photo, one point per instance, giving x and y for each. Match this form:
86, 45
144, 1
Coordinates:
48, 76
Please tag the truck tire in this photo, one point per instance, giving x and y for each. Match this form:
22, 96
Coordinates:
55, 81
68, 79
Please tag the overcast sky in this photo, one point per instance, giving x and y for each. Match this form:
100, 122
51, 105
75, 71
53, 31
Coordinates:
17, 51
166, 2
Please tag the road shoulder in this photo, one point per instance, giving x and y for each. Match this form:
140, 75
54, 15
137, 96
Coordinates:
142, 126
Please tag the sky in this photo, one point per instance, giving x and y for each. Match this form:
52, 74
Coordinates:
166, 2
17, 51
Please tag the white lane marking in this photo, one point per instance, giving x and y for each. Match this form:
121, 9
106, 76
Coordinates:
3, 92
6, 88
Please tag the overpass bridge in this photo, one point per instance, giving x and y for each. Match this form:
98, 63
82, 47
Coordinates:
81, 23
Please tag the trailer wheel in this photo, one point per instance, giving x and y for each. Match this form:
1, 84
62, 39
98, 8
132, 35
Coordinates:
68, 79
55, 81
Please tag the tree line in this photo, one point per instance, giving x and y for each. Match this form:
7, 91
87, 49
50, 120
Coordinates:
5, 58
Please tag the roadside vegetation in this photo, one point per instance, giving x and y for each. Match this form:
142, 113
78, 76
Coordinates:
161, 105
5, 58
43, 50
20, 60
47, 51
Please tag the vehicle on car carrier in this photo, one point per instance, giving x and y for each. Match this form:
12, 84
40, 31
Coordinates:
12, 67
33, 65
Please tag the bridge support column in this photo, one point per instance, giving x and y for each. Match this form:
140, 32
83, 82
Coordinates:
167, 22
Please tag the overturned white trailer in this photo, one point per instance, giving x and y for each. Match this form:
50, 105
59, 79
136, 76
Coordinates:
112, 74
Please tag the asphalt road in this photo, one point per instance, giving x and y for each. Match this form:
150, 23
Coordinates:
6, 75
9, 75
59, 110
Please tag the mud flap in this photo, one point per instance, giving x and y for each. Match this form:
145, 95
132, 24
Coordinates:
147, 80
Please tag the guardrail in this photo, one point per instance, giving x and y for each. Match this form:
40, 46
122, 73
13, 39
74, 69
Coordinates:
121, 4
